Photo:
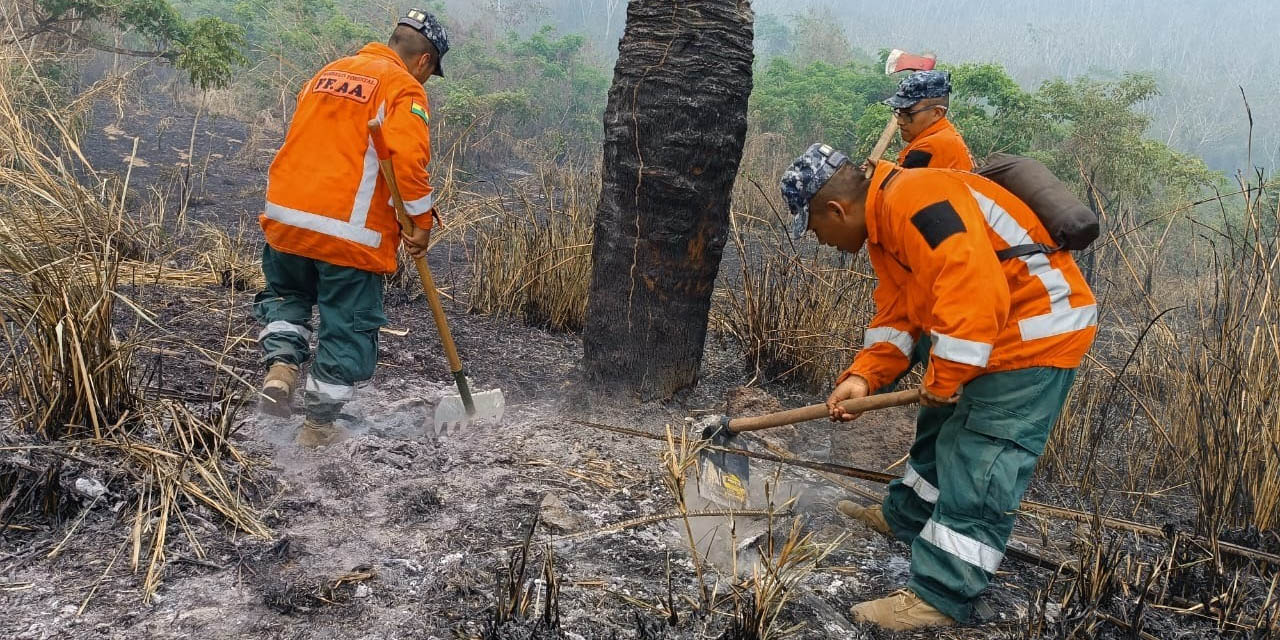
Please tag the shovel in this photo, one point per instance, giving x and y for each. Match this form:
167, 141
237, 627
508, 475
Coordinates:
452, 412
724, 476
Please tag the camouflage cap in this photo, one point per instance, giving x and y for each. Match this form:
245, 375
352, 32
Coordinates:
432, 30
919, 86
805, 178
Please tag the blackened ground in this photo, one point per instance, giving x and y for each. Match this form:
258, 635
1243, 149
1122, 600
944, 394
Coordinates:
394, 534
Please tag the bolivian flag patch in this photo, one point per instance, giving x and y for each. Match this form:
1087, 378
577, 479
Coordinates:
421, 112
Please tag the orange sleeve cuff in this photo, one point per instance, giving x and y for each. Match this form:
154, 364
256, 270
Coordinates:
849, 373
874, 379
879, 364
944, 378
426, 220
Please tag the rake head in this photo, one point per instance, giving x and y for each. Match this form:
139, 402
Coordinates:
451, 415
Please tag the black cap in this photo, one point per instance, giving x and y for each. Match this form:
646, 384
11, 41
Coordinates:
921, 85
432, 30
805, 178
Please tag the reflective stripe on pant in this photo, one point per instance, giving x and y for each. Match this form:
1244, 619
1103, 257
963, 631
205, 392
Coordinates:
350, 305
910, 500
975, 460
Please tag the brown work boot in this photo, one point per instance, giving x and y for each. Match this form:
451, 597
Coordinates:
900, 611
314, 435
278, 389
872, 516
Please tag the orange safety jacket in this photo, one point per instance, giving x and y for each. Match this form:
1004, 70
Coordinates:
939, 146
932, 237
326, 199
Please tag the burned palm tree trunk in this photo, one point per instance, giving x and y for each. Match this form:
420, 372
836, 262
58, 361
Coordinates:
674, 131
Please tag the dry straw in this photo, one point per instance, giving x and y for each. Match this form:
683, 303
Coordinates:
797, 317
797, 311
65, 250
533, 249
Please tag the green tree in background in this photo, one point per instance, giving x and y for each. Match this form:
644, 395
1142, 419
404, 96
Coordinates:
1090, 132
545, 86
210, 52
1096, 134
307, 33
774, 37
542, 87
992, 111
834, 103
208, 49
288, 40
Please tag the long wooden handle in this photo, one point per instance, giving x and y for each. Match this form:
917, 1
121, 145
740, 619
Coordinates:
816, 411
883, 143
437, 310
424, 270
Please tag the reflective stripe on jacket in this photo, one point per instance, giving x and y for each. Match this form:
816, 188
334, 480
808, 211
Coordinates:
932, 237
940, 146
326, 199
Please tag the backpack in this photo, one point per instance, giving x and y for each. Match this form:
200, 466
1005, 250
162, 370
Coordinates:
1070, 223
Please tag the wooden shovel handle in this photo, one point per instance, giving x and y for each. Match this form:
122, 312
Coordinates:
424, 271
814, 412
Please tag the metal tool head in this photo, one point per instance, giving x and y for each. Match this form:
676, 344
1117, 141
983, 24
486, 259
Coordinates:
722, 477
900, 60
451, 414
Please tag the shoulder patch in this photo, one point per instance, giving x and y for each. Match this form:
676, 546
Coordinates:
420, 111
937, 222
346, 85
917, 158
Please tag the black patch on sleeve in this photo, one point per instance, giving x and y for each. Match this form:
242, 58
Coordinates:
937, 222
916, 158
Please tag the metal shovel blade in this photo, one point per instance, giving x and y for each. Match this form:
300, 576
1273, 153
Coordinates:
723, 477
720, 483
451, 415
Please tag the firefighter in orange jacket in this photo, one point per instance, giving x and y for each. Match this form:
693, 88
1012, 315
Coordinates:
921, 105
330, 227
1007, 330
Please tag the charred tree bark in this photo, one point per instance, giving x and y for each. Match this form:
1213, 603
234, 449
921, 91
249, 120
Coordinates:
674, 130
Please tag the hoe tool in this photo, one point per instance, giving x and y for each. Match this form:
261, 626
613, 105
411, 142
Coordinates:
898, 61
453, 411
725, 476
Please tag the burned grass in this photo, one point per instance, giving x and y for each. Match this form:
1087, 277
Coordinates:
415, 504
1168, 423
439, 566
303, 595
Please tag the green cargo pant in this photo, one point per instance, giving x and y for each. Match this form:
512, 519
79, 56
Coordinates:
969, 466
350, 304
